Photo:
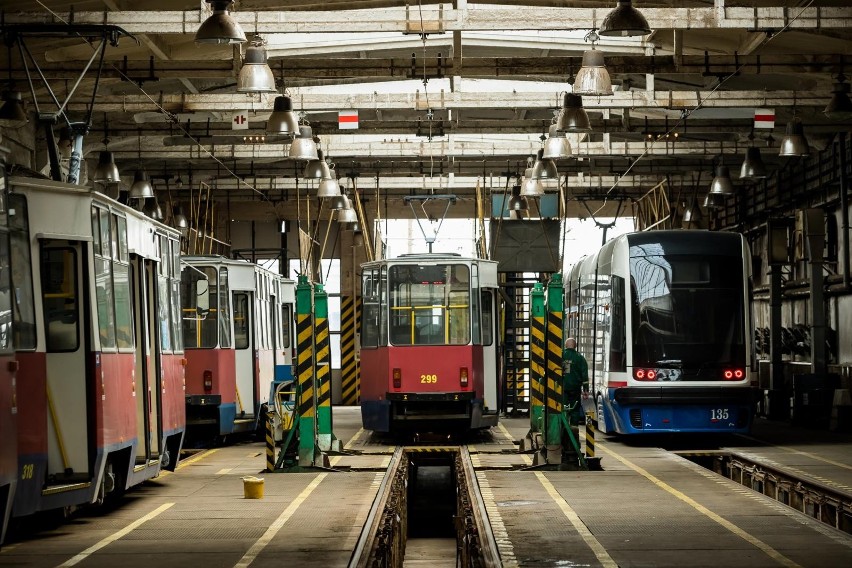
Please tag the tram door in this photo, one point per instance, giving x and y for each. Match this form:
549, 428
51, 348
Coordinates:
244, 353
146, 387
489, 349
69, 386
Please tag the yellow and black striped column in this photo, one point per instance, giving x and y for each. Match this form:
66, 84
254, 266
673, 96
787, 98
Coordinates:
591, 426
349, 369
305, 372
537, 360
553, 360
270, 443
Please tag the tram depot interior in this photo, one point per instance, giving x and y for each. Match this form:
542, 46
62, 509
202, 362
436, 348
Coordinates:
719, 115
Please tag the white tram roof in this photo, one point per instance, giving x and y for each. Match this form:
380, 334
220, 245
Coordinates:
487, 268
241, 273
64, 211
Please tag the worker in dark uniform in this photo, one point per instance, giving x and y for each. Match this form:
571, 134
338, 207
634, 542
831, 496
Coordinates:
575, 380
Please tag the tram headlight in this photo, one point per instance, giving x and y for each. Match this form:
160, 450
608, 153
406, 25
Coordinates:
463, 377
397, 378
208, 380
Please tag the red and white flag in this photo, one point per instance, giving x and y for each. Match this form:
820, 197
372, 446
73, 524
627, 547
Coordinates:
764, 118
240, 120
347, 119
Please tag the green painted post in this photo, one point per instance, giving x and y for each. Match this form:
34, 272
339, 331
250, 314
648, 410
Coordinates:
553, 357
537, 350
326, 438
305, 373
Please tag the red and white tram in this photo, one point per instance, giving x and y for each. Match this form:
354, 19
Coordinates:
429, 343
237, 324
96, 319
8, 403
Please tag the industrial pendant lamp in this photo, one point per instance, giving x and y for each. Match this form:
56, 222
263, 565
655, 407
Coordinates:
180, 220
304, 147
340, 201
544, 170
624, 20
141, 188
752, 167
573, 117
106, 172
153, 210
517, 202
328, 186
317, 169
346, 214
691, 215
283, 120
839, 107
220, 27
794, 142
12, 113
722, 184
593, 78
714, 201
255, 75
557, 145
530, 186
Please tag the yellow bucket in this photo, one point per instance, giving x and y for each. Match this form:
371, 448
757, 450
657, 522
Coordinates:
253, 487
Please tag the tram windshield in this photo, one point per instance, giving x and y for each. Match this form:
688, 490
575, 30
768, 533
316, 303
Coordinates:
429, 304
688, 312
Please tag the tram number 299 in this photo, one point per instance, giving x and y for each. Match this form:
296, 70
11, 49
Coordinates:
428, 379
718, 414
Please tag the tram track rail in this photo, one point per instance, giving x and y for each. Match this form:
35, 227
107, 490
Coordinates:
383, 538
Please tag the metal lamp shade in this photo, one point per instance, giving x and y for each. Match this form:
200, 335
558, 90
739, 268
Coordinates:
180, 220
753, 167
531, 187
794, 142
304, 147
153, 210
839, 107
283, 120
340, 202
517, 202
722, 184
573, 117
692, 214
624, 20
544, 168
12, 113
328, 186
714, 201
141, 188
255, 75
107, 171
317, 169
347, 216
556, 146
593, 78
220, 27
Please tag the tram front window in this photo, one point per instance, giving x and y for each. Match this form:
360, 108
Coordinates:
687, 313
429, 304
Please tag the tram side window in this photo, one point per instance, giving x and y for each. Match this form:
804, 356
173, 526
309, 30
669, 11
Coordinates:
121, 282
241, 321
487, 317
371, 310
199, 286
618, 338
6, 344
286, 319
60, 299
103, 284
163, 301
23, 307
224, 310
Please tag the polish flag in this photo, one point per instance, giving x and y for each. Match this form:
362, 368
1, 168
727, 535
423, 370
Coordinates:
347, 119
764, 118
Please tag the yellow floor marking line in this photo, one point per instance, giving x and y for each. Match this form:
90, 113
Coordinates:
224, 471
600, 552
334, 460
273, 529
189, 461
115, 536
505, 432
756, 542
354, 439
527, 459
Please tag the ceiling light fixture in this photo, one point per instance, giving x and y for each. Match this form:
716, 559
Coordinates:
544, 170
12, 113
317, 169
557, 145
180, 220
530, 186
794, 142
304, 147
573, 117
839, 107
722, 184
517, 202
714, 201
328, 186
624, 20
593, 78
283, 120
220, 27
255, 75
141, 188
106, 172
752, 167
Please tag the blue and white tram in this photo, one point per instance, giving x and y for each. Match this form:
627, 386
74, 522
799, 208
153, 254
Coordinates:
663, 319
